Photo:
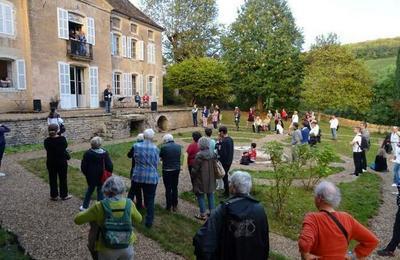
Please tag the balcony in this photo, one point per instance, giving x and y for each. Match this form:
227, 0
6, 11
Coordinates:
79, 50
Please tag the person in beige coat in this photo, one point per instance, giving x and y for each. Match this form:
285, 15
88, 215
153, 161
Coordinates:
203, 177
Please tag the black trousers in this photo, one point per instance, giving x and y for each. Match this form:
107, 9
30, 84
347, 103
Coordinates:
364, 160
394, 242
171, 179
194, 116
225, 179
136, 192
58, 171
2, 148
357, 158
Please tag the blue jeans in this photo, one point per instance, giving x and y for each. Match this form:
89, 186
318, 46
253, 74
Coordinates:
334, 134
107, 106
89, 193
202, 202
149, 193
396, 173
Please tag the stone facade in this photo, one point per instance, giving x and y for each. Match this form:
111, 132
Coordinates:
33, 128
55, 69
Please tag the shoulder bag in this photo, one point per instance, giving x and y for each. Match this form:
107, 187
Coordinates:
106, 174
338, 224
219, 171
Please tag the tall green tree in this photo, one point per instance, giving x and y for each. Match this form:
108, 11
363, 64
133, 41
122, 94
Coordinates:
190, 27
199, 80
262, 51
396, 104
335, 80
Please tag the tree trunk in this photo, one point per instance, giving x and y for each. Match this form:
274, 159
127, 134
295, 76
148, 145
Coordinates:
260, 104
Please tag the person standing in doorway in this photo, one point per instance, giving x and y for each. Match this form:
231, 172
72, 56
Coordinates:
334, 124
225, 150
357, 151
108, 98
365, 134
195, 111
3, 129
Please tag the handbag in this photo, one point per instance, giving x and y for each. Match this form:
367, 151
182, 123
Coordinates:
219, 171
106, 174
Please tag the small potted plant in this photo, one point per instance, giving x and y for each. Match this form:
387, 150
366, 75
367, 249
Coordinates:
54, 101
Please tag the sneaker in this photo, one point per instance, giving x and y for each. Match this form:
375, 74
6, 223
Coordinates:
2, 174
67, 197
395, 193
384, 252
363, 170
394, 185
81, 208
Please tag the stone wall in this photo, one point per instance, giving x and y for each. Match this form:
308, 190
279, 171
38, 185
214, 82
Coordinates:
33, 128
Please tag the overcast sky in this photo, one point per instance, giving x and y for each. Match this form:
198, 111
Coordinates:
352, 20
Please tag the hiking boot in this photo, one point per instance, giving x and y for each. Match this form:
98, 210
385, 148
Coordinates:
384, 252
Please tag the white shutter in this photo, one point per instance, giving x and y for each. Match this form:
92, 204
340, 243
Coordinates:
140, 52
129, 80
91, 31
153, 53
155, 96
21, 74
123, 45
129, 47
64, 81
2, 30
62, 16
112, 43
113, 83
149, 53
94, 87
141, 85
8, 21
124, 84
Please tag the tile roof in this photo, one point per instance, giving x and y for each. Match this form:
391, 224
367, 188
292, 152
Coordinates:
127, 8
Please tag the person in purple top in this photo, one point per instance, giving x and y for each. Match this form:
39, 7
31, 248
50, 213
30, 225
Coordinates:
3, 129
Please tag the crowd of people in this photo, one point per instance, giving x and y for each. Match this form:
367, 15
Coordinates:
237, 228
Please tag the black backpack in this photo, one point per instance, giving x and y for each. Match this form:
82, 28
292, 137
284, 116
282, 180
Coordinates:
364, 143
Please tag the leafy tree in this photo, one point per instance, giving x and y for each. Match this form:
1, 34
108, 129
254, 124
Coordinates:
262, 51
199, 79
190, 26
322, 40
334, 79
396, 103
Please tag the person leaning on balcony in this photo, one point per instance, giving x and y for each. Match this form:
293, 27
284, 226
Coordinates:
118, 209
108, 98
327, 233
56, 163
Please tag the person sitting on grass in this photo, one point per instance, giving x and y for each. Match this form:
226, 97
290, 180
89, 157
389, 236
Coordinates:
114, 211
250, 155
279, 128
380, 164
257, 125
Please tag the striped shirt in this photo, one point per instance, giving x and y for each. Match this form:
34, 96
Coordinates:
146, 156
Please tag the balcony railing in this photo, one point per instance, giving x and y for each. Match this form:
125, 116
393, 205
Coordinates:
79, 50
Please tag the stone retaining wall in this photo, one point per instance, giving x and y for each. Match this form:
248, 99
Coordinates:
373, 128
32, 128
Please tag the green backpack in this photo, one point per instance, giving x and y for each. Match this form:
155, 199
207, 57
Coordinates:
116, 231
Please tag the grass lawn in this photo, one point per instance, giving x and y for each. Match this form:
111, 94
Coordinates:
23, 148
9, 248
269, 174
360, 198
378, 67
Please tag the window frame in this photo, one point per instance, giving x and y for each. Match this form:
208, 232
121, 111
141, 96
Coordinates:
112, 24
152, 35
137, 28
117, 45
3, 32
117, 73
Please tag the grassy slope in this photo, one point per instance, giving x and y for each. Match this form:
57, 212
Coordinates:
378, 67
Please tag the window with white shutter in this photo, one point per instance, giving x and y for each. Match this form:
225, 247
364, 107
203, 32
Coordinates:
94, 86
115, 38
151, 53
62, 17
21, 74
129, 47
91, 31
64, 83
140, 50
141, 84
124, 84
123, 38
7, 25
150, 85
117, 83
130, 85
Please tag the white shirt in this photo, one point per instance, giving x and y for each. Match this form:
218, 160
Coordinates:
334, 123
280, 129
55, 120
314, 131
295, 119
357, 143
394, 138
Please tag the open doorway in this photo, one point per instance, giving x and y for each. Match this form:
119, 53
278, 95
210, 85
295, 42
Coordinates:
77, 85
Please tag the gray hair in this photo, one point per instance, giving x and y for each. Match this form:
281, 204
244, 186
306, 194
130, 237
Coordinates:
204, 143
95, 142
148, 134
329, 193
168, 138
140, 137
113, 186
241, 182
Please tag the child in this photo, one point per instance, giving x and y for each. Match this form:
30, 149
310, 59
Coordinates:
253, 152
380, 164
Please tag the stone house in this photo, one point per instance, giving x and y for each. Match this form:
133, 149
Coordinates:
70, 50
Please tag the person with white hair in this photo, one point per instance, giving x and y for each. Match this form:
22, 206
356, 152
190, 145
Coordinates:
135, 191
327, 233
170, 154
94, 161
237, 229
145, 173
203, 177
115, 216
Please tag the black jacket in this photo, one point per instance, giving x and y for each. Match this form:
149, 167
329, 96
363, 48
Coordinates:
107, 95
92, 165
56, 150
225, 150
170, 154
236, 230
